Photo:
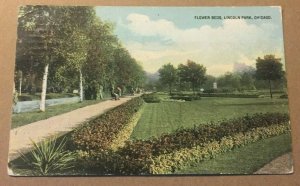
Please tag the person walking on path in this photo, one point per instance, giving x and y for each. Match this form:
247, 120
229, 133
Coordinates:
119, 91
113, 94
101, 92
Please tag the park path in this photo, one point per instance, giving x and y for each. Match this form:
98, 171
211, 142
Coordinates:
280, 165
20, 138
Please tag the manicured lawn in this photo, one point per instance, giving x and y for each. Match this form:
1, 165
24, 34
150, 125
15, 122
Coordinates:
29, 117
245, 160
166, 117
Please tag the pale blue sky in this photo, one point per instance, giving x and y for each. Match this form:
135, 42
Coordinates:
159, 35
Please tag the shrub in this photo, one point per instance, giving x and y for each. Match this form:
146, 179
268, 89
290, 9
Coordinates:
151, 98
49, 157
229, 95
283, 96
61, 95
186, 98
100, 132
209, 91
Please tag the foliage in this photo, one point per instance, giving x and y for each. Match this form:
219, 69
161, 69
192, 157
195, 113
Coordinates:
230, 81
283, 96
151, 98
80, 49
186, 97
230, 95
269, 68
49, 157
193, 73
101, 132
208, 84
168, 75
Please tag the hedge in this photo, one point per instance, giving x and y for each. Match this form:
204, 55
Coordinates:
151, 98
229, 95
186, 97
126, 132
101, 132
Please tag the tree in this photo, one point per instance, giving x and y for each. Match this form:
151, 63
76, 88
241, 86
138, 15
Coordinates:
76, 40
168, 75
270, 69
39, 26
208, 85
193, 73
70, 46
100, 68
229, 81
41, 33
247, 80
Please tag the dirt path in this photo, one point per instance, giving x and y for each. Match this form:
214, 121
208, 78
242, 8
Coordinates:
280, 165
56, 125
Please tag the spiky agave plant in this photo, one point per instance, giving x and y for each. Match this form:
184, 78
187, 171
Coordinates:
49, 157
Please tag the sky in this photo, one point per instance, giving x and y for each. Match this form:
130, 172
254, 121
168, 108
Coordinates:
155, 36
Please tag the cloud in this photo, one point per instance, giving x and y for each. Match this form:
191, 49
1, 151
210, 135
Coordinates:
217, 48
142, 25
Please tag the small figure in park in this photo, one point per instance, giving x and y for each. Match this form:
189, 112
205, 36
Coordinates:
132, 91
138, 90
113, 94
101, 91
15, 101
119, 91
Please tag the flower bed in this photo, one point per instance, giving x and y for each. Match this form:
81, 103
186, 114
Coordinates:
168, 163
171, 151
101, 132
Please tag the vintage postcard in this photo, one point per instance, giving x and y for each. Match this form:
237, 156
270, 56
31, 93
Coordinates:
109, 90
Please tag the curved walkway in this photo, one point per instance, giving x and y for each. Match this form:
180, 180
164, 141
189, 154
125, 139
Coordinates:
20, 138
280, 165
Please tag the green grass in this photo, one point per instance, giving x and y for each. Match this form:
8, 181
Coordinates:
166, 117
245, 160
29, 117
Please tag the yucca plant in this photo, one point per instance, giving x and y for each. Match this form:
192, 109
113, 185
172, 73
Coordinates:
49, 157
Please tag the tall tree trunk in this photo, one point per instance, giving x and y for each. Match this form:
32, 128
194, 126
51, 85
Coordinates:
270, 89
44, 89
20, 84
80, 86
